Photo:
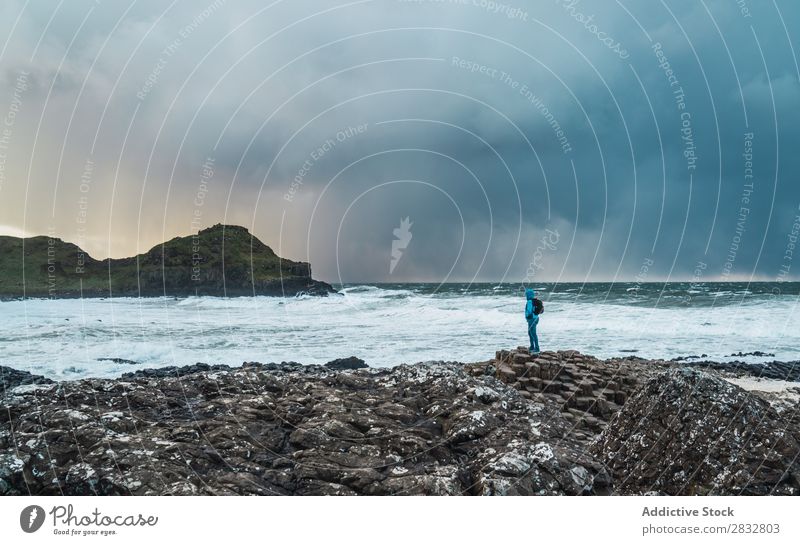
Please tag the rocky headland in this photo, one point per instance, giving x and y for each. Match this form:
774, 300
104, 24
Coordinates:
223, 260
557, 423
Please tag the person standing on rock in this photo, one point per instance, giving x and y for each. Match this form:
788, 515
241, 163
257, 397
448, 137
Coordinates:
533, 307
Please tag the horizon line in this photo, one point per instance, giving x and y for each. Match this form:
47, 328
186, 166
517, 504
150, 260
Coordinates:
618, 281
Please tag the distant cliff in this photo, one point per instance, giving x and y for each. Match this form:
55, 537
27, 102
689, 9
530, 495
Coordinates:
223, 260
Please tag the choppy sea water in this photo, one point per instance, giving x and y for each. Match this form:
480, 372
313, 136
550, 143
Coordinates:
391, 324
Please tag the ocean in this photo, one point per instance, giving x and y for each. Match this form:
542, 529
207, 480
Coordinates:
389, 324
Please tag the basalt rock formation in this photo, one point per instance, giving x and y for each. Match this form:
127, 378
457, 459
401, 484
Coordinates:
588, 391
555, 423
289, 429
689, 432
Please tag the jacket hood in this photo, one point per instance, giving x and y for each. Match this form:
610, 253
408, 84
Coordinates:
530, 294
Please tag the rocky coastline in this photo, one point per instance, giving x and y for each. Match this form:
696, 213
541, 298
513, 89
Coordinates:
559, 423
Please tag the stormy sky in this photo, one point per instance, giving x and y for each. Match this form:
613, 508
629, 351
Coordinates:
538, 141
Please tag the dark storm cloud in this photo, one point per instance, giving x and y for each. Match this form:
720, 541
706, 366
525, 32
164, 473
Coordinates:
616, 136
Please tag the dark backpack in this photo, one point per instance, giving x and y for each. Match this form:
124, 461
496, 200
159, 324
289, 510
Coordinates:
537, 307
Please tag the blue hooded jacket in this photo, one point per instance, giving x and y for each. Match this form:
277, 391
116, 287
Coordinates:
529, 295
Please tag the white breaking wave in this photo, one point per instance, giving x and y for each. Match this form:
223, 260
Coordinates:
67, 338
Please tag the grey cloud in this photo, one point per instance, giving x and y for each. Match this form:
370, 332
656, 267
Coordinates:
207, 87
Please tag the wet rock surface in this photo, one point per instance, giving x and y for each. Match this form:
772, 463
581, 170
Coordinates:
776, 370
120, 361
287, 429
727, 440
11, 378
554, 423
588, 391
342, 364
690, 432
